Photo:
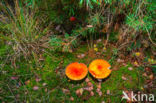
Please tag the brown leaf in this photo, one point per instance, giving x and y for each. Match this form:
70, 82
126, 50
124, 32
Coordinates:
14, 77
89, 26
99, 40
124, 78
38, 79
81, 56
108, 92
130, 68
103, 102
89, 84
151, 76
91, 93
99, 86
44, 84
35, 88
88, 88
120, 60
100, 93
87, 80
27, 82
71, 98
144, 74
66, 91
45, 89
79, 92
148, 69
98, 90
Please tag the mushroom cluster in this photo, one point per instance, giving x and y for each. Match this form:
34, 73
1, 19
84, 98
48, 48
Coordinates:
99, 69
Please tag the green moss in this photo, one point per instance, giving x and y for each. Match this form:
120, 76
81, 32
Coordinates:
58, 80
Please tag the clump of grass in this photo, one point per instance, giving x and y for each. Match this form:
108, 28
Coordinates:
21, 29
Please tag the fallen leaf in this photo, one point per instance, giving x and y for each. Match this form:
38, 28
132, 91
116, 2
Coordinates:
45, 89
58, 28
81, 56
148, 69
87, 80
124, 78
71, 98
99, 40
89, 26
108, 92
130, 68
38, 79
151, 76
79, 92
89, 84
100, 93
99, 86
120, 60
103, 102
98, 53
14, 77
88, 88
35, 88
124, 64
65, 91
144, 74
27, 82
44, 84
91, 93
98, 90
91, 88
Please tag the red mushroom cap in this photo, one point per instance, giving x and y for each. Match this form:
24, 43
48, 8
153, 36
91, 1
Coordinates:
76, 71
99, 68
72, 18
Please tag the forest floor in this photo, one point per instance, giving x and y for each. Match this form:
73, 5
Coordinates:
43, 79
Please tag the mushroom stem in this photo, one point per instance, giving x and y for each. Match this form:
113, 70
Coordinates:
100, 81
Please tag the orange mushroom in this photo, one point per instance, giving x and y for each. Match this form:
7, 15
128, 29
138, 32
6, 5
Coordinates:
99, 69
76, 71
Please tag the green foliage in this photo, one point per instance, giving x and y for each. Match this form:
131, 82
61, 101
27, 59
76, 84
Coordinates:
88, 3
22, 28
113, 37
140, 24
65, 43
32, 3
154, 69
142, 16
4, 50
56, 42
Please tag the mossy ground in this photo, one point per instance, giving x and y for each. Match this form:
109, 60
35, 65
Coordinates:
51, 72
